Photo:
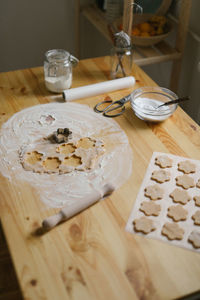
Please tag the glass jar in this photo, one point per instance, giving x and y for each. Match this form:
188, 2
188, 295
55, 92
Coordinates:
121, 62
58, 70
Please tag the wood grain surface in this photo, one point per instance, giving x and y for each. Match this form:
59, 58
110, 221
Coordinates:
91, 256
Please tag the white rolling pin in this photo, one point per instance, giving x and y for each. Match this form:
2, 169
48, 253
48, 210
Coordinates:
98, 88
69, 211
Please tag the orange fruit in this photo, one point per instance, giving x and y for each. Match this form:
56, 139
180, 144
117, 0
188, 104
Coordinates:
135, 31
145, 34
144, 27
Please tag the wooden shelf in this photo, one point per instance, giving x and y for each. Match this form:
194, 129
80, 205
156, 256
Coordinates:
142, 55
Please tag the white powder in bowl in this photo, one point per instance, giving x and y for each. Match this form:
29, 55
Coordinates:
147, 109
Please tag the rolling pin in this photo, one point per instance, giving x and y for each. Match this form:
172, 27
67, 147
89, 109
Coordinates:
69, 211
98, 88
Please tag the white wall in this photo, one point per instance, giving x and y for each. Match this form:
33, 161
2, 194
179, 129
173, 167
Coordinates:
29, 28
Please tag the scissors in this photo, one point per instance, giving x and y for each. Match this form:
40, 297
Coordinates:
112, 107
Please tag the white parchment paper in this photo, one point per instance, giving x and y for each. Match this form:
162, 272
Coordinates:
188, 225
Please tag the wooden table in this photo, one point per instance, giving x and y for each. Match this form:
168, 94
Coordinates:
91, 256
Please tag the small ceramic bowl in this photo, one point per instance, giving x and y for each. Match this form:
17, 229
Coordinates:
145, 102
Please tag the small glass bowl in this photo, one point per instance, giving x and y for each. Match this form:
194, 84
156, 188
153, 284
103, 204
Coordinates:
145, 102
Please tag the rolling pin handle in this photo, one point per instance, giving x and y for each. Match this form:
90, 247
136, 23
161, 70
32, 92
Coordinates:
68, 212
52, 221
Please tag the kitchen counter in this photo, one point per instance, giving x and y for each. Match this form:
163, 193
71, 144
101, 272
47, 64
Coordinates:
91, 256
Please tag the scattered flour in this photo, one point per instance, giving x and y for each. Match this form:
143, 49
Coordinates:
26, 127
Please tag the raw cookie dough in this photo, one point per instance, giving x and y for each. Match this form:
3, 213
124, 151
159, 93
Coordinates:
144, 225
48, 157
186, 167
194, 238
86, 143
109, 161
160, 176
178, 205
33, 157
150, 208
196, 217
185, 181
198, 183
197, 200
177, 213
180, 196
154, 192
51, 164
173, 231
163, 161
66, 149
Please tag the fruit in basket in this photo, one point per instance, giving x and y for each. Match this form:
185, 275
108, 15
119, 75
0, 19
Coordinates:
156, 25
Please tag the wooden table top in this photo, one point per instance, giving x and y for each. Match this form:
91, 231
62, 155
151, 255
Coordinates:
91, 256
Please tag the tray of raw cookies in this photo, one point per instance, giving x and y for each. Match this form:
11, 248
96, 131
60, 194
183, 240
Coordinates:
167, 206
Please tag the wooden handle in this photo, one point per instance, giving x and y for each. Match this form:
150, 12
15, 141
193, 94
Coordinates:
68, 212
128, 16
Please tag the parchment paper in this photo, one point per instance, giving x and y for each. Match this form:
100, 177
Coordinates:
167, 201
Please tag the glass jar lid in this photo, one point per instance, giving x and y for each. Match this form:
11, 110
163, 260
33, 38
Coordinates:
57, 55
60, 56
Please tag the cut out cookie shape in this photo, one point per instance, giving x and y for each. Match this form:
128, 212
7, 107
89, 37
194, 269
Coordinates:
150, 208
163, 161
144, 225
51, 163
198, 183
86, 143
160, 176
72, 161
186, 167
185, 181
197, 200
48, 157
154, 192
194, 238
46, 120
177, 213
196, 217
180, 196
172, 231
66, 148
33, 157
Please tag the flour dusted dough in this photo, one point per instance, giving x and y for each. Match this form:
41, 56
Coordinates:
48, 157
97, 152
